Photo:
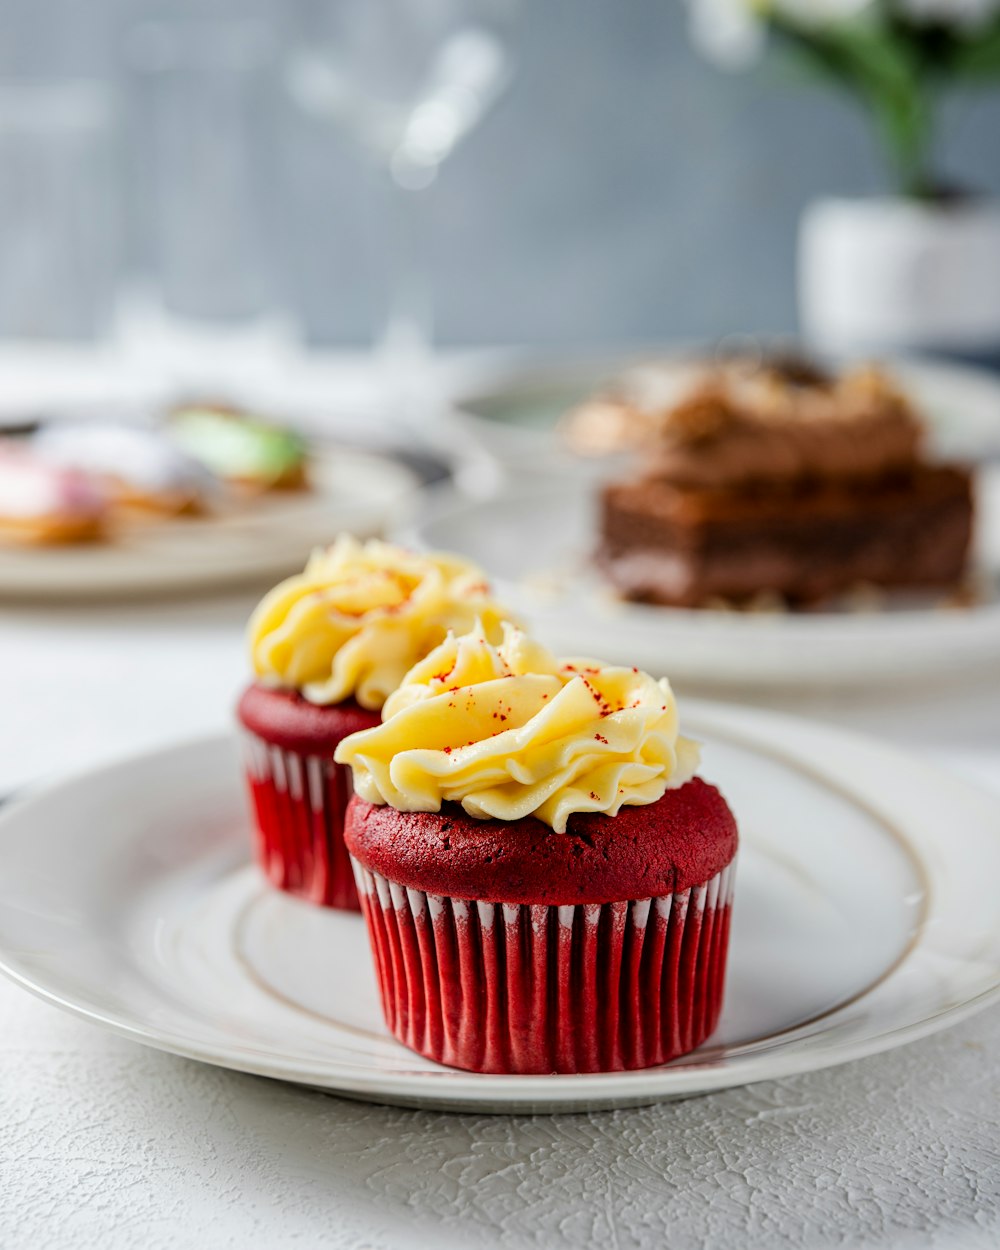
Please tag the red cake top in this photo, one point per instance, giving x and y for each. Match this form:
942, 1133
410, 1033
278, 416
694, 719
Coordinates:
287, 720
682, 840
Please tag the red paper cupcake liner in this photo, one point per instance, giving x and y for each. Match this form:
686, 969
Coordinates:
298, 804
509, 988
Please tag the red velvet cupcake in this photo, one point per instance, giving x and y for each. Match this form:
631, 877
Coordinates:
328, 646
298, 794
547, 887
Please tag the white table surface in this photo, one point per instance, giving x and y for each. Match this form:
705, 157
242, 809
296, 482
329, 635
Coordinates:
106, 1144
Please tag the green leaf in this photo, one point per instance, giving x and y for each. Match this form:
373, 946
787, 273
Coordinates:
978, 59
887, 73
861, 54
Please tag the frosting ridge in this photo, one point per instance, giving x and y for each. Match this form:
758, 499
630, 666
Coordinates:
509, 731
360, 615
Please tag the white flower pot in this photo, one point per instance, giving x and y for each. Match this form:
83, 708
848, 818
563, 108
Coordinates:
894, 274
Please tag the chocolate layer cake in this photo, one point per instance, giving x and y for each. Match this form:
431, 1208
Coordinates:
799, 487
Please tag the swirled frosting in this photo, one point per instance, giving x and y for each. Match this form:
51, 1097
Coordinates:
508, 731
360, 615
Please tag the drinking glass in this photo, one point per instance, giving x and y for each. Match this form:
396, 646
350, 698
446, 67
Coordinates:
407, 80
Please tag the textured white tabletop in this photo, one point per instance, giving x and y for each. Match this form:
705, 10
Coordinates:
106, 1144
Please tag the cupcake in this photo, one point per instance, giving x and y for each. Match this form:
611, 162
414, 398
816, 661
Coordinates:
546, 884
328, 646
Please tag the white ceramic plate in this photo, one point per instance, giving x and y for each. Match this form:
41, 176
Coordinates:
515, 415
535, 539
266, 539
865, 916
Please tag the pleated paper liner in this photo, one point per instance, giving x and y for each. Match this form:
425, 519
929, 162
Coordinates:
299, 802
515, 988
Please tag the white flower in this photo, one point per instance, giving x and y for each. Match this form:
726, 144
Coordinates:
727, 32
965, 14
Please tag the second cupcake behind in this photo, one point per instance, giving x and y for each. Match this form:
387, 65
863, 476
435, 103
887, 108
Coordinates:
328, 646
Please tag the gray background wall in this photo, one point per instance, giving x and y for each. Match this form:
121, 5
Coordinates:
622, 191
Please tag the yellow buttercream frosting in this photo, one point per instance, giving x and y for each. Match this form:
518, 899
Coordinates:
509, 731
360, 615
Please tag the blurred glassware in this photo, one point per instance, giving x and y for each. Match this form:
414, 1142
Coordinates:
209, 275
407, 80
60, 227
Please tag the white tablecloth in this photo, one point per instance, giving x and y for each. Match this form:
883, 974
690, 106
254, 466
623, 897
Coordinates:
107, 1145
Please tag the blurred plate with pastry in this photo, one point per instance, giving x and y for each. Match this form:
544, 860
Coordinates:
206, 498
783, 481
775, 522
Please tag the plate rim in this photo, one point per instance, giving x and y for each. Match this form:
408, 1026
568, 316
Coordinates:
511, 1094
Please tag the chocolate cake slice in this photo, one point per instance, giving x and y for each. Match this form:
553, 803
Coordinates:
801, 490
